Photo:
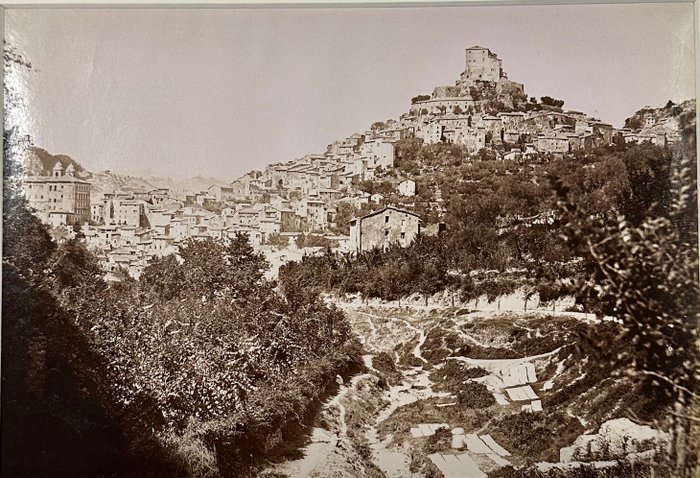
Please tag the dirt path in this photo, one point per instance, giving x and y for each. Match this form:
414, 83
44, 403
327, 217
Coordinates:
394, 462
329, 449
334, 451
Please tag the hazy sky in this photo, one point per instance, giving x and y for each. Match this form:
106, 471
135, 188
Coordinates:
220, 92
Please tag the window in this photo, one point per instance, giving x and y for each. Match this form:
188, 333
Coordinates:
386, 233
386, 219
403, 235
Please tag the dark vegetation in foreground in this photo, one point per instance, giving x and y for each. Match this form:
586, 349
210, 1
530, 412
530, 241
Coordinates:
200, 368
623, 469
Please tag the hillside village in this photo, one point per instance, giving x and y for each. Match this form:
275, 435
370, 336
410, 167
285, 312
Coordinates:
490, 285
310, 201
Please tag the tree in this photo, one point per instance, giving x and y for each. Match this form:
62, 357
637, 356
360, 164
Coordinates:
634, 123
313, 240
74, 264
419, 98
204, 271
377, 126
164, 277
345, 213
549, 101
645, 275
246, 266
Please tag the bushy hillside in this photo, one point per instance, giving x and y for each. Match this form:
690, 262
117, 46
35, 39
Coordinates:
500, 216
616, 228
41, 162
671, 115
198, 369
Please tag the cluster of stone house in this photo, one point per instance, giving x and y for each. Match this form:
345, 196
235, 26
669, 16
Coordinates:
127, 229
303, 195
320, 179
656, 130
543, 131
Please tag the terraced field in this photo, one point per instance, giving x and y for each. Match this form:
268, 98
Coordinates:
465, 393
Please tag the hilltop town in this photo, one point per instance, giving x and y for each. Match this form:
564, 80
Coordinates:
329, 199
489, 285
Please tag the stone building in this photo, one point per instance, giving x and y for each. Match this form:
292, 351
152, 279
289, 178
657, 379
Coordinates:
61, 192
381, 228
550, 143
222, 193
407, 187
130, 213
378, 152
482, 65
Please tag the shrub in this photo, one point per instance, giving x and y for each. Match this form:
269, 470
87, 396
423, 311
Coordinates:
453, 374
440, 441
539, 436
475, 395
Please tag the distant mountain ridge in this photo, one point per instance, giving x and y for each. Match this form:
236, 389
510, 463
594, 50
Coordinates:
106, 182
195, 184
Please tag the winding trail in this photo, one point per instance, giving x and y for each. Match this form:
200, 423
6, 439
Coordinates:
395, 462
332, 452
324, 443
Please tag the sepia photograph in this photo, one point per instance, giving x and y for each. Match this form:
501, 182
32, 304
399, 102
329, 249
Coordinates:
382, 241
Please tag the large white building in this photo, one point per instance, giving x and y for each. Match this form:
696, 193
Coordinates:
61, 197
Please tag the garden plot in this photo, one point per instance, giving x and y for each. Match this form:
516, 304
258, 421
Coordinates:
457, 466
480, 445
520, 394
518, 374
512, 379
427, 429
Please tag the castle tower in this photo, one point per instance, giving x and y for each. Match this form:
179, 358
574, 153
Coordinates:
482, 65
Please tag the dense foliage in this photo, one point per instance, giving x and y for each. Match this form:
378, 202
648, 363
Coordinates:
198, 348
640, 266
197, 367
500, 216
535, 434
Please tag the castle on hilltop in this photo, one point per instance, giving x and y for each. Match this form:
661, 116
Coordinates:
483, 78
482, 65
